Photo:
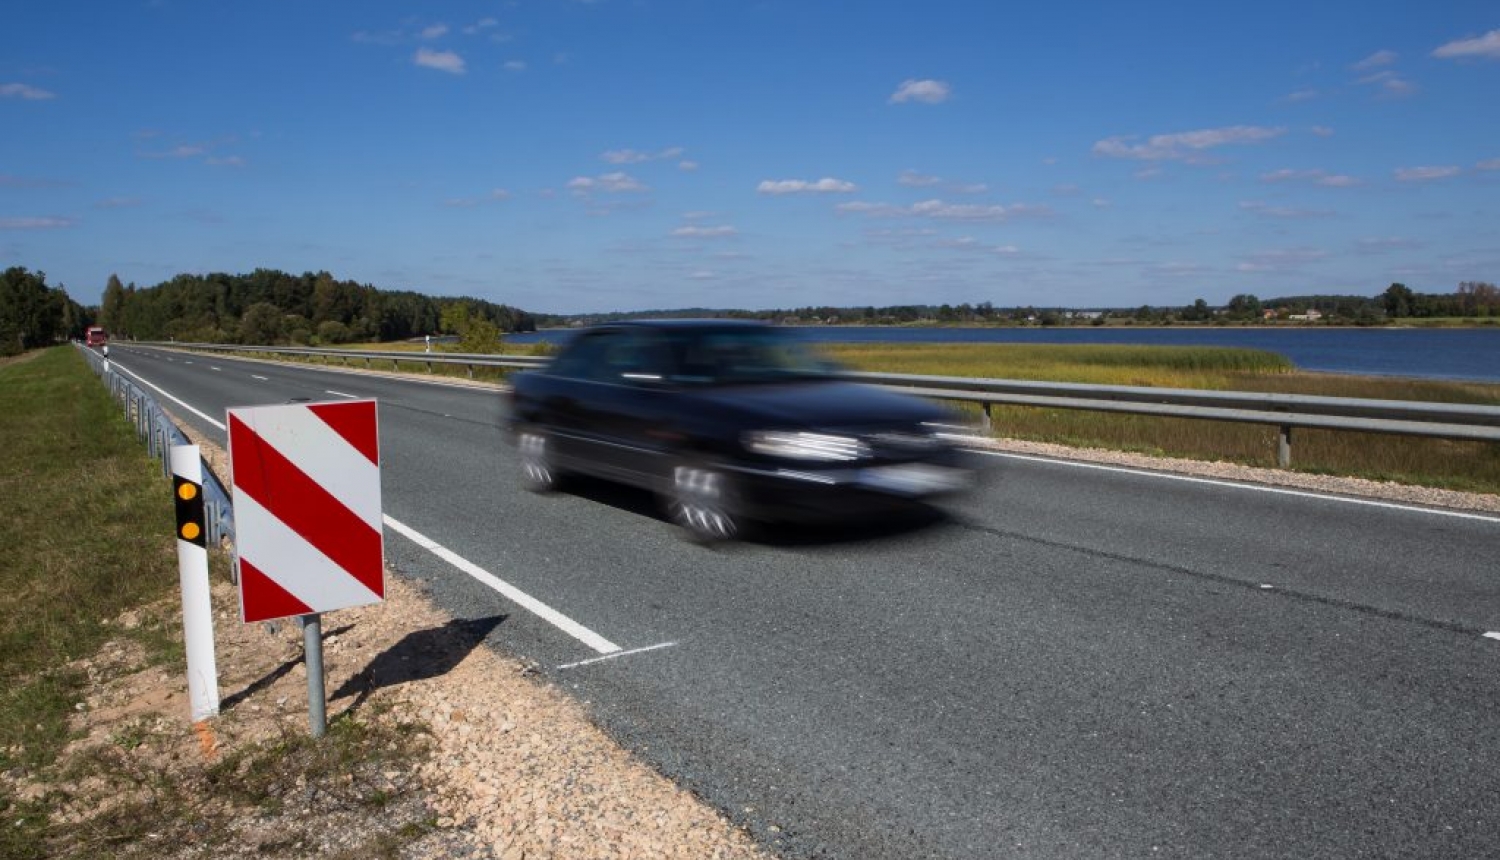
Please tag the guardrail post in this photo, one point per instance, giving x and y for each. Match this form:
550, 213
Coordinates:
989, 423
471, 370
1284, 447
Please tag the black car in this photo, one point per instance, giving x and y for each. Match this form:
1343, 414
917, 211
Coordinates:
728, 422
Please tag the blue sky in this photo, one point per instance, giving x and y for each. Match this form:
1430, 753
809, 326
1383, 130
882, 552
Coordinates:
567, 156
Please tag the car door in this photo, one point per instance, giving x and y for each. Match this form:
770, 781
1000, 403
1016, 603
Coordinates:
607, 396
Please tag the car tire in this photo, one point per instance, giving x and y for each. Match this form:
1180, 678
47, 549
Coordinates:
538, 473
701, 498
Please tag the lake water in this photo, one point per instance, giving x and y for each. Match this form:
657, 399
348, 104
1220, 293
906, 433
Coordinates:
1461, 354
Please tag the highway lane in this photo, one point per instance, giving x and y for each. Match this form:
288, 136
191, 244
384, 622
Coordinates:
1077, 663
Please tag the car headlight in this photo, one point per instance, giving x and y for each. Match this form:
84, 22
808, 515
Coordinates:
801, 445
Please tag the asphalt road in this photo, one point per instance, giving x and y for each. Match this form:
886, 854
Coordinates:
1074, 662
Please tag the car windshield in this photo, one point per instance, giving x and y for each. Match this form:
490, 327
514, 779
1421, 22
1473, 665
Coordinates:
744, 356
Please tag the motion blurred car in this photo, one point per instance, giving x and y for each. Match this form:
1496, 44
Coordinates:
729, 423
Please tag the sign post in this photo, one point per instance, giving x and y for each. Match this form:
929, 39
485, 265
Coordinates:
192, 564
308, 521
312, 650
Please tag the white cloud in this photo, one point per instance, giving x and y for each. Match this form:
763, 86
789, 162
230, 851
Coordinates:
443, 61
1390, 84
1492, 164
913, 179
436, 31
1280, 259
610, 183
1265, 210
36, 223
117, 203
24, 91
1425, 174
225, 161
695, 232
1316, 177
515, 65
635, 156
826, 185
183, 151
1486, 46
1101, 203
926, 91
687, 166
1322, 131
943, 211
1300, 96
480, 26
971, 244
1382, 244
1375, 61
1183, 145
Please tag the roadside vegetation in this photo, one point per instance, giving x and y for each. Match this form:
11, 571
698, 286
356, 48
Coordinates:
88, 591
1469, 466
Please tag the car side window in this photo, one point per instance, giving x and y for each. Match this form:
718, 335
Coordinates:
620, 357
583, 356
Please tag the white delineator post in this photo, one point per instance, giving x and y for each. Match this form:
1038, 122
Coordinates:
192, 564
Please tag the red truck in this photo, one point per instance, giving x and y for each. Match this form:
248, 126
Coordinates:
95, 336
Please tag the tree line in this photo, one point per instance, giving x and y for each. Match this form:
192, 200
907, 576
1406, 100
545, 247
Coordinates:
1472, 300
33, 314
268, 306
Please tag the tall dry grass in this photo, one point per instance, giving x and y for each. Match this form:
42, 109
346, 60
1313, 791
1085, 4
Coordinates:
1472, 466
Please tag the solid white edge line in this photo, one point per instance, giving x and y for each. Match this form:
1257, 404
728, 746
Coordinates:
1493, 634
1282, 491
510, 592
172, 397
616, 655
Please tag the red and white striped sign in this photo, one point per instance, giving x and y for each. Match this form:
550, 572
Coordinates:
307, 516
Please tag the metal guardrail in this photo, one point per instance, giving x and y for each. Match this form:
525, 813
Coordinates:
155, 428
1283, 411
469, 360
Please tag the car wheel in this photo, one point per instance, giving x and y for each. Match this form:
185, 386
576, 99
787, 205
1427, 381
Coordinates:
537, 472
701, 499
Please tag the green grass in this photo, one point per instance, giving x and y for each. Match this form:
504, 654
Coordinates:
1471, 466
86, 525
1177, 367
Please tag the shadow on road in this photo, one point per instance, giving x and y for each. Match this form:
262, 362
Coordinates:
418, 656
900, 522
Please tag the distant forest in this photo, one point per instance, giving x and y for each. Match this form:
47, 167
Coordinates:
1473, 300
272, 307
